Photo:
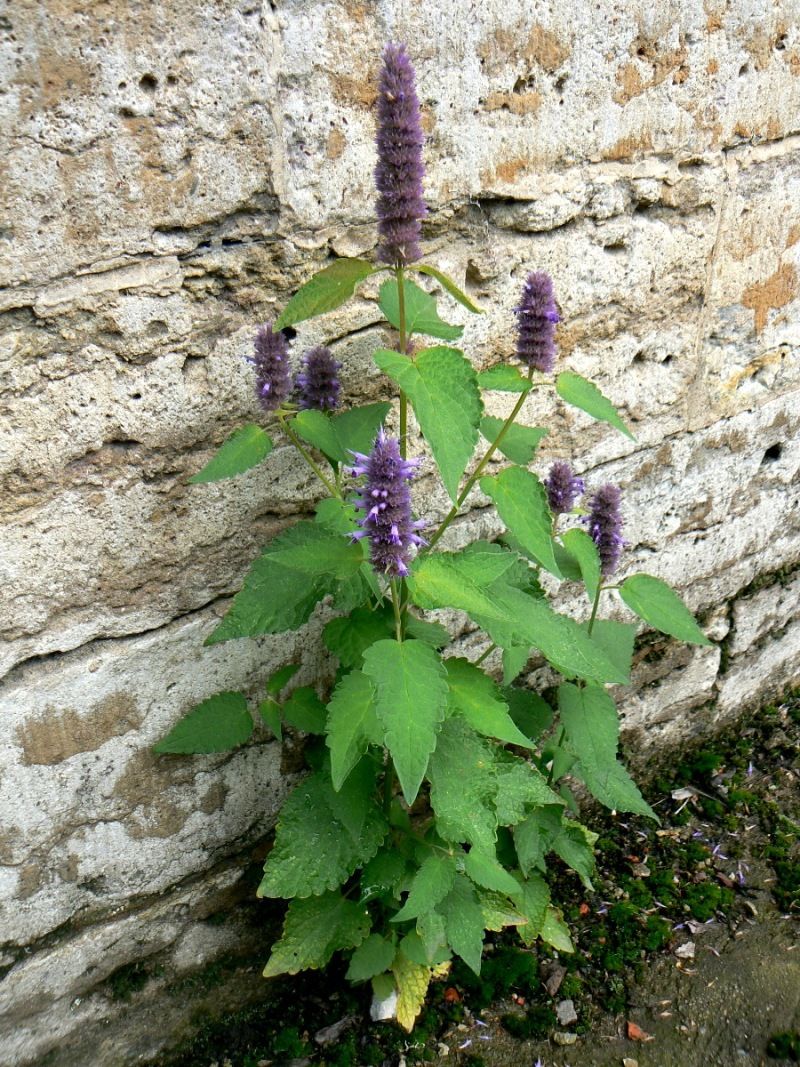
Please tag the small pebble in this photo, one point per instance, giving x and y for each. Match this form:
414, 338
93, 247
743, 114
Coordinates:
565, 1011
564, 1039
685, 952
628, 1062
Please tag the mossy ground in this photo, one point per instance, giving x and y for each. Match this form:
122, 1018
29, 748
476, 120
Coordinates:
730, 827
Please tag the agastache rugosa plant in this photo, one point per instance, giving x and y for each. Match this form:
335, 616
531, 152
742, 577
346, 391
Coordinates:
438, 788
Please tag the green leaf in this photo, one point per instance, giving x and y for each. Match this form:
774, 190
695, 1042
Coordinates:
277, 681
443, 391
385, 873
348, 638
498, 912
286, 582
244, 449
430, 633
531, 714
431, 929
514, 659
373, 956
585, 395
357, 428
327, 290
463, 921
555, 931
314, 849
412, 696
463, 786
305, 711
270, 712
580, 545
534, 836
520, 786
432, 882
589, 718
575, 847
317, 429
535, 902
567, 563
521, 502
504, 379
476, 697
484, 870
519, 443
472, 581
352, 724
656, 603
616, 639
449, 286
220, 723
420, 309
313, 930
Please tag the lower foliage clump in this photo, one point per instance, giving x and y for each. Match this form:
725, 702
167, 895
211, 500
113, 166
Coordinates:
438, 790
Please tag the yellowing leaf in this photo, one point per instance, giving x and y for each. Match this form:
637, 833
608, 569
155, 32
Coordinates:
412, 985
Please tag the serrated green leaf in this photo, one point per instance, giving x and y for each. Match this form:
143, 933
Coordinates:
535, 902
498, 912
218, 724
327, 290
520, 786
585, 395
530, 713
386, 872
463, 786
449, 286
463, 921
372, 957
567, 564
484, 870
432, 882
657, 604
305, 711
412, 982
555, 931
317, 429
420, 310
590, 720
430, 633
514, 659
504, 379
580, 545
352, 724
412, 696
349, 637
616, 639
521, 502
270, 712
443, 391
575, 847
280, 678
431, 929
314, 850
320, 551
357, 428
476, 697
414, 948
520, 443
244, 449
313, 930
533, 837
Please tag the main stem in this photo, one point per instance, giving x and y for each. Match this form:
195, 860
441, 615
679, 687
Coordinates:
490, 451
401, 311
595, 606
329, 485
398, 610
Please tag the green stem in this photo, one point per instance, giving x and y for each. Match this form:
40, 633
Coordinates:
398, 613
595, 606
559, 743
388, 786
401, 311
484, 655
490, 451
332, 489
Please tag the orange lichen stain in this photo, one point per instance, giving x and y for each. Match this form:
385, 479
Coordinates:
502, 47
714, 17
336, 144
794, 235
712, 67
427, 119
630, 146
793, 60
752, 368
646, 52
630, 83
774, 129
354, 91
516, 103
774, 292
510, 169
544, 48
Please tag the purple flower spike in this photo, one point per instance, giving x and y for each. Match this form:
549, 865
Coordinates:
605, 526
563, 488
537, 316
317, 384
398, 175
386, 505
271, 361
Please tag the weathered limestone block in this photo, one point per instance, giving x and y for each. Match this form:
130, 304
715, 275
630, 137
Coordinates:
764, 612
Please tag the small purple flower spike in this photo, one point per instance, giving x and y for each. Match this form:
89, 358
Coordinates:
271, 362
386, 505
537, 316
563, 488
317, 384
398, 175
605, 526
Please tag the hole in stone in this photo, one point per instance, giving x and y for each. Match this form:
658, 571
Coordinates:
171, 79
127, 113
122, 85
148, 82
780, 44
773, 454
665, 362
745, 67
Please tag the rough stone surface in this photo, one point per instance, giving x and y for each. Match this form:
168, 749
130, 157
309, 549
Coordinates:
169, 174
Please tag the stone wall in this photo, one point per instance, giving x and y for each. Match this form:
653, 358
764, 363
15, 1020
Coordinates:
170, 172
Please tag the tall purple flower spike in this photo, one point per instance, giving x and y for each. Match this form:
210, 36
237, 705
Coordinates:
386, 505
399, 173
537, 316
271, 362
317, 382
605, 526
563, 488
